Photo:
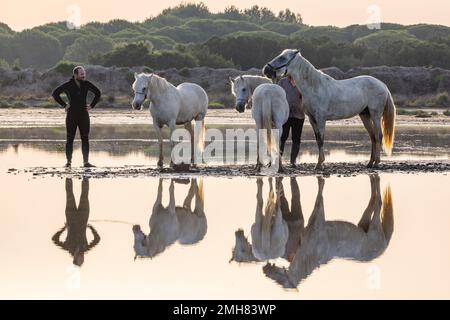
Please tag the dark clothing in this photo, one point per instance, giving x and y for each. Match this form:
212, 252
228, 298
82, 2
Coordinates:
81, 121
294, 99
293, 218
77, 222
77, 95
77, 115
297, 127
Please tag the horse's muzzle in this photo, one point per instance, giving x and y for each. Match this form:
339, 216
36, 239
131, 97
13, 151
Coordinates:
240, 107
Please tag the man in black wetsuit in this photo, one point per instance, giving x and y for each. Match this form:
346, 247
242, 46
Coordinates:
77, 111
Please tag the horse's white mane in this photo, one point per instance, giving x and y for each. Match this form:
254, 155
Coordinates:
313, 76
156, 82
160, 83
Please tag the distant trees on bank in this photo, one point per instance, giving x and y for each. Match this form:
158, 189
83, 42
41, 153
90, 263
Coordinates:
190, 35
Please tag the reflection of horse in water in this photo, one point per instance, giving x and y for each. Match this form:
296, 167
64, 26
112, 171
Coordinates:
172, 223
269, 232
321, 241
76, 242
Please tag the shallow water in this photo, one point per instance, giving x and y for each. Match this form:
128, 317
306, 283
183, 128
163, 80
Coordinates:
405, 255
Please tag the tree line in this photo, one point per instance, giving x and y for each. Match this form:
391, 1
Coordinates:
190, 35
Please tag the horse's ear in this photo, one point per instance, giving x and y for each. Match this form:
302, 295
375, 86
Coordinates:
242, 78
135, 76
230, 79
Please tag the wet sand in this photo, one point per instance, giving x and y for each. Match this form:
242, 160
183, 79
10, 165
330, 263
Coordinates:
341, 169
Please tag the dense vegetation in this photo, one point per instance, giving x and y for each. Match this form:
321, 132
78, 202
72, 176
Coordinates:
190, 35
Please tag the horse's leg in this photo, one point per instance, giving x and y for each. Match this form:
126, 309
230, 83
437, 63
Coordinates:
173, 127
366, 218
188, 126
188, 201
172, 208
258, 146
160, 144
158, 200
279, 127
259, 201
318, 215
368, 124
318, 126
378, 139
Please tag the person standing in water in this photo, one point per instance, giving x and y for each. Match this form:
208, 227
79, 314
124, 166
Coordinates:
77, 110
296, 117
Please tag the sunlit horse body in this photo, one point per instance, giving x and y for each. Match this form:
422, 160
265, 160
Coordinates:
269, 232
322, 241
270, 108
172, 106
172, 223
325, 98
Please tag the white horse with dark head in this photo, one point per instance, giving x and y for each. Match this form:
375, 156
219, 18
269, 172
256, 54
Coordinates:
172, 106
270, 108
325, 98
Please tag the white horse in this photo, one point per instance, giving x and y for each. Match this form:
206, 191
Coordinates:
325, 99
269, 107
322, 241
172, 223
172, 106
269, 232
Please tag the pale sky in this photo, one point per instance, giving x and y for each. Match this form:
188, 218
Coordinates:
22, 14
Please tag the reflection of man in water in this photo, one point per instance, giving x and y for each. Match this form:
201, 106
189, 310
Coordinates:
76, 242
293, 218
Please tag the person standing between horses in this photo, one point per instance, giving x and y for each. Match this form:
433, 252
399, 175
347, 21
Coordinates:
296, 117
77, 110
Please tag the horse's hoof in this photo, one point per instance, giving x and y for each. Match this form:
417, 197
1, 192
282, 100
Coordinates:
160, 164
319, 167
258, 168
370, 165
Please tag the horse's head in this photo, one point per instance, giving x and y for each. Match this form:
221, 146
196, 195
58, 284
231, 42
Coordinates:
140, 246
241, 90
282, 64
242, 251
140, 88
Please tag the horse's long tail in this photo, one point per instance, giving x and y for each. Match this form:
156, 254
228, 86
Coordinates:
387, 214
388, 124
267, 122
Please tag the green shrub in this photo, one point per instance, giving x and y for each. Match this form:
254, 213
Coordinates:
423, 114
147, 70
111, 99
184, 72
442, 100
65, 67
216, 105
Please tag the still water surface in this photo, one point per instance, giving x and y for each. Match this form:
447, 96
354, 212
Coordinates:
383, 236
